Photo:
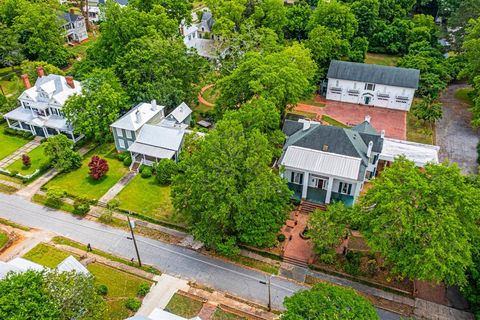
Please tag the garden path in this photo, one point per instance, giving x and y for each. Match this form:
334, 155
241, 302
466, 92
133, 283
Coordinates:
29, 146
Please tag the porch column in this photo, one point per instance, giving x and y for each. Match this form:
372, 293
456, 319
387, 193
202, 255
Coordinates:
306, 177
73, 136
8, 122
328, 197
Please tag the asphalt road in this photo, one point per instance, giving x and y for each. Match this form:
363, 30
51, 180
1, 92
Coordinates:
174, 260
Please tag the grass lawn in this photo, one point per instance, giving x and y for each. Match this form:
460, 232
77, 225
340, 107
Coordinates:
223, 315
146, 197
183, 306
464, 95
381, 59
308, 115
80, 51
312, 102
418, 130
203, 108
3, 239
121, 285
79, 183
37, 157
7, 189
10, 81
334, 122
9, 143
211, 94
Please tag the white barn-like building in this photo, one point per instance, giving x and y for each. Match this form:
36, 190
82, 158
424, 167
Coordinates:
372, 85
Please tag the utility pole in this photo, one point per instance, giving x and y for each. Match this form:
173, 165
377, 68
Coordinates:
131, 224
269, 284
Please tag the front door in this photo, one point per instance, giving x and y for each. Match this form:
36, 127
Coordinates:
367, 99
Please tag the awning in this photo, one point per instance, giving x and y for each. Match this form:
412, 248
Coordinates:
419, 153
156, 152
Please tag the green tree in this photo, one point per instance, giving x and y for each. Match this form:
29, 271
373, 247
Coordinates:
460, 19
367, 13
10, 48
100, 103
422, 220
298, 17
52, 295
327, 229
392, 9
325, 301
30, 68
427, 110
59, 150
177, 10
154, 68
335, 15
227, 12
471, 71
229, 193
165, 169
358, 49
325, 45
283, 78
43, 43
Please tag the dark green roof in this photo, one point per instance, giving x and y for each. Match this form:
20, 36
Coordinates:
373, 73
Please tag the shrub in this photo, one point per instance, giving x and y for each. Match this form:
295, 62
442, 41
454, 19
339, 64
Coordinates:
55, 197
142, 167
27, 162
143, 290
113, 204
133, 304
102, 289
47, 164
106, 217
127, 161
352, 265
281, 237
81, 207
165, 169
478, 153
146, 172
98, 167
122, 156
13, 173
328, 257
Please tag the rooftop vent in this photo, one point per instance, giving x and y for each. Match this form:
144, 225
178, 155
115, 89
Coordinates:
325, 148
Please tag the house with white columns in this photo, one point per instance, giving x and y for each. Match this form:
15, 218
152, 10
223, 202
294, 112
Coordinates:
325, 164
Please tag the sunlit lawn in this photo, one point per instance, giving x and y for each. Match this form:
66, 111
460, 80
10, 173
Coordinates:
183, 306
145, 196
121, 285
418, 130
381, 59
9, 143
37, 157
79, 183
464, 95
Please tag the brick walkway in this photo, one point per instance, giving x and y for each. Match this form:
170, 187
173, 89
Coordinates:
207, 311
202, 100
296, 248
394, 122
29, 146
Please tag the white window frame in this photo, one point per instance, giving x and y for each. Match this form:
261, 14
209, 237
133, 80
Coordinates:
119, 132
345, 187
370, 85
128, 134
121, 143
323, 181
297, 177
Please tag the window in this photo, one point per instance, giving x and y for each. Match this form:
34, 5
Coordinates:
129, 134
345, 188
119, 132
121, 143
354, 85
337, 83
369, 86
297, 178
320, 183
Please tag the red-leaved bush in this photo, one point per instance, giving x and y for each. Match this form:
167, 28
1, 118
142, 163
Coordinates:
27, 162
98, 167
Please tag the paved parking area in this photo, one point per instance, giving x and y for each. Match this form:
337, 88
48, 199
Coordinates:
394, 122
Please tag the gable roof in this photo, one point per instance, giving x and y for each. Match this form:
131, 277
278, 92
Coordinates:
71, 17
372, 73
72, 264
170, 138
181, 112
129, 120
55, 86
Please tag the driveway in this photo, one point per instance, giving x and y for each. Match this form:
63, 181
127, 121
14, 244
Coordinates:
181, 262
456, 138
394, 122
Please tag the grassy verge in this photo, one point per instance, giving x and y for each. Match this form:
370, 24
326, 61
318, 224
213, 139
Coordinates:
334, 122
7, 189
223, 315
465, 95
78, 183
308, 115
9, 223
381, 59
74, 244
184, 306
250, 262
3, 239
40, 199
121, 285
418, 130
313, 102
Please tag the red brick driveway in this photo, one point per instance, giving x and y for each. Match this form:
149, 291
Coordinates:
394, 122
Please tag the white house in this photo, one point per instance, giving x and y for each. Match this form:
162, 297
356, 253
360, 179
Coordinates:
324, 164
75, 27
40, 110
148, 135
372, 85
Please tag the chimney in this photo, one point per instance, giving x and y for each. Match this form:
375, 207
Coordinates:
382, 134
138, 116
154, 105
72, 11
40, 71
26, 81
368, 118
70, 82
306, 125
369, 150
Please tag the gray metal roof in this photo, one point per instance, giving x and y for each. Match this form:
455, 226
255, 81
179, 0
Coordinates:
146, 112
372, 73
170, 138
181, 112
151, 151
72, 264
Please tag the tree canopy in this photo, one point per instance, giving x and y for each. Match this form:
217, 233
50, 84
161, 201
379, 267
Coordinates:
325, 301
59, 150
